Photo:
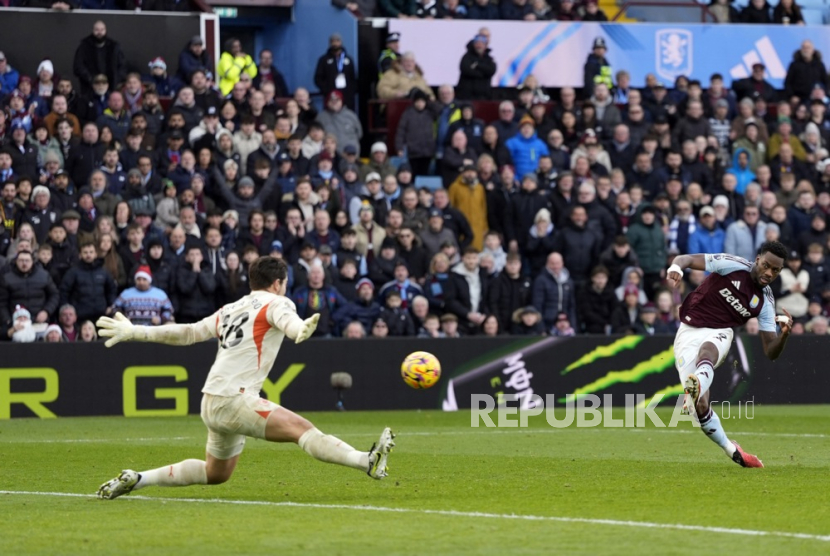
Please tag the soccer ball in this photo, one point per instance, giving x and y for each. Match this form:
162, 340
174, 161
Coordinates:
421, 369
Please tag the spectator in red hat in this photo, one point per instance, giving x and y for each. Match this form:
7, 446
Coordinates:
563, 326
144, 304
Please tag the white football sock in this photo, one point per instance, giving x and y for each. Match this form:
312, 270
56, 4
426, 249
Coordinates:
705, 374
187, 472
332, 450
711, 427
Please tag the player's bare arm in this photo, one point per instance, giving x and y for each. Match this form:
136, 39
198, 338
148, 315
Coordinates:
681, 263
774, 343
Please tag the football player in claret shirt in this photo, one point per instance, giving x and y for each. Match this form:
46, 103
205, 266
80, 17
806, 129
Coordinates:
250, 333
735, 291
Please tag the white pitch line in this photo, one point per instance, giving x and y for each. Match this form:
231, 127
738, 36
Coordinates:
479, 431
94, 440
483, 430
455, 513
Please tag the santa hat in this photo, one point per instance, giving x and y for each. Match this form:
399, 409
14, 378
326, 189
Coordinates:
158, 63
46, 65
20, 311
144, 272
54, 327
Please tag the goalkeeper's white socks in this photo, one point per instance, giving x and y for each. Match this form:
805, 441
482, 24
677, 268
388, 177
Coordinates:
332, 450
184, 473
705, 373
711, 427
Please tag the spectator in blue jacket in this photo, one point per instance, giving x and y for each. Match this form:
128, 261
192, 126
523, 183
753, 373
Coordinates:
193, 57
708, 237
526, 148
742, 169
553, 291
745, 236
9, 77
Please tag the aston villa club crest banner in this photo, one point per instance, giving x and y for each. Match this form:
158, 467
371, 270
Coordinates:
555, 52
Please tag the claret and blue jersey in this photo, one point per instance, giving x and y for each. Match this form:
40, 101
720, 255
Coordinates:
729, 297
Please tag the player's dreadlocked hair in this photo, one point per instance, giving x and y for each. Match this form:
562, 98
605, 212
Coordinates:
775, 247
265, 270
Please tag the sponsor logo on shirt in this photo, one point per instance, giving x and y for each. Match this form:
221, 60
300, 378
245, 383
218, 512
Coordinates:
734, 302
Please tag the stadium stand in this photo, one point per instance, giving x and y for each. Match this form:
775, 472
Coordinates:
152, 191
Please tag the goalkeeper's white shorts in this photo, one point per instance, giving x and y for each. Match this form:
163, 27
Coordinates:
230, 419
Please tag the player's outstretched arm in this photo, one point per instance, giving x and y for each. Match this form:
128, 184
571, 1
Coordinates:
283, 316
120, 329
774, 343
301, 330
680, 263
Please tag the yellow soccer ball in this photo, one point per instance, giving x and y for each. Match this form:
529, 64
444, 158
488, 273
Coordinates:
421, 369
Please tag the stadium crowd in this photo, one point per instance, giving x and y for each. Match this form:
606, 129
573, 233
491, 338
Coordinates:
559, 217
786, 12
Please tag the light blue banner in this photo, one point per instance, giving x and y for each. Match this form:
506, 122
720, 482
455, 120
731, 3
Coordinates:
555, 52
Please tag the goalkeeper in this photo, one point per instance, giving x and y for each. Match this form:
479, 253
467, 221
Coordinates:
250, 333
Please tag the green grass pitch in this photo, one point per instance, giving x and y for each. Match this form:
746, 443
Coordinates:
452, 489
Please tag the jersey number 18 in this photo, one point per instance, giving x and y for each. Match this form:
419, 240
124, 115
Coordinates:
232, 332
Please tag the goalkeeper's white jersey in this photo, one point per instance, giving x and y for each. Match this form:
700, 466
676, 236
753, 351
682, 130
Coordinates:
250, 334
